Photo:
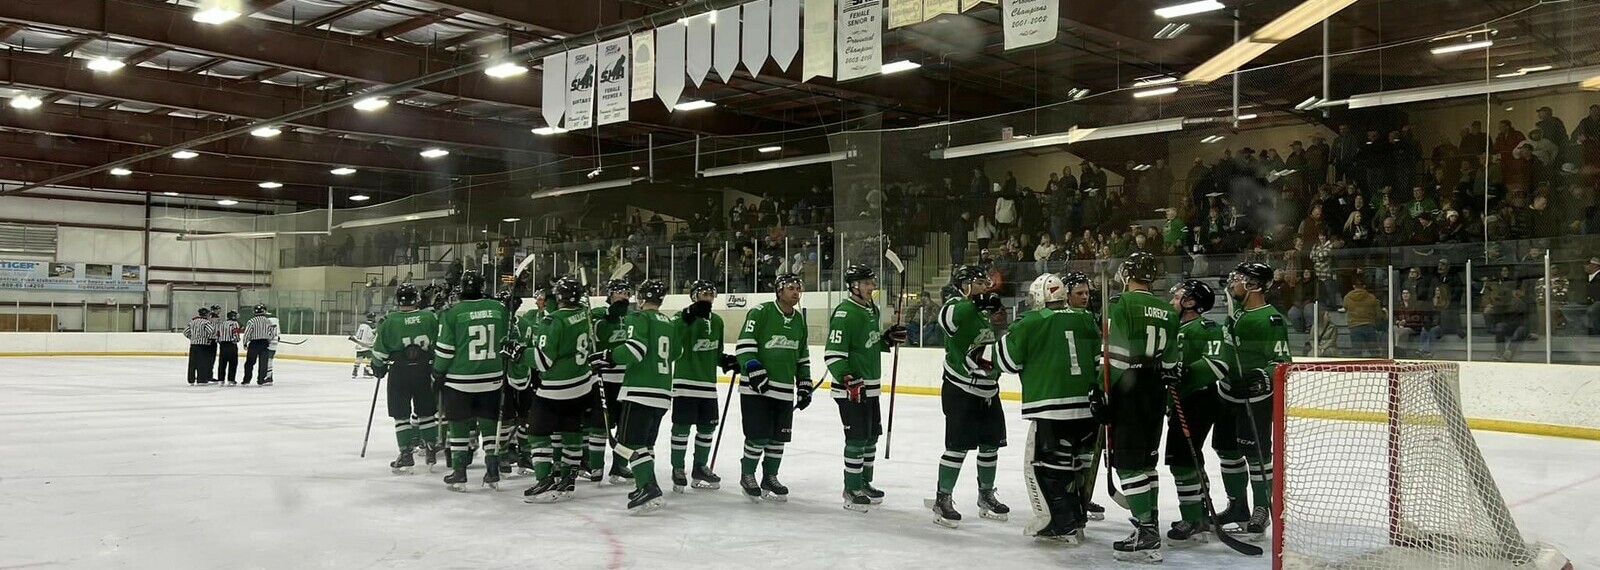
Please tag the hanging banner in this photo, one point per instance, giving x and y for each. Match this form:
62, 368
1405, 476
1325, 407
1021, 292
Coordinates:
756, 27
612, 102
1029, 22
860, 44
580, 88
669, 63
644, 66
970, 4
698, 61
931, 8
71, 276
904, 13
785, 32
725, 58
819, 40
554, 102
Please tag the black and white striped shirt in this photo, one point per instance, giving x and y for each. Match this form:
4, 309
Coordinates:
260, 328
228, 332
200, 331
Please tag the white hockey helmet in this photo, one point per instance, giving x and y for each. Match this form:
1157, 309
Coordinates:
1047, 288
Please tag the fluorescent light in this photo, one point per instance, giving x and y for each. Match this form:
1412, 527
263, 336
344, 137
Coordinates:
1155, 92
1536, 68
1077, 93
1511, 74
693, 105
1073, 135
898, 66
270, 185
371, 104
1470, 88
359, 197
1189, 9
1309, 103
266, 132
1141, 168
342, 171
395, 219
226, 235
169, 193
769, 149
1279, 30
504, 70
511, 220
1590, 84
434, 153
547, 131
777, 164
120, 171
105, 65
1245, 117
590, 187
1172, 30
1212, 139
227, 202
1469, 46
1153, 81
185, 154
26, 102
636, 168
215, 15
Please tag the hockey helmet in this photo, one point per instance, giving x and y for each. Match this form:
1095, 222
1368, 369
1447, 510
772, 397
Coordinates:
371, 316
652, 291
1047, 288
618, 287
204, 312
701, 287
471, 285
1139, 266
233, 315
260, 309
858, 272
1255, 275
406, 295
512, 302
570, 291
538, 294
1196, 290
1073, 278
967, 274
784, 280
216, 310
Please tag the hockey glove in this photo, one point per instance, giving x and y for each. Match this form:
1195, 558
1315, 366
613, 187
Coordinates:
802, 390
616, 311
1257, 383
601, 360
896, 335
852, 387
696, 311
756, 376
438, 380
379, 370
977, 359
1174, 375
987, 302
1097, 406
730, 363
511, 350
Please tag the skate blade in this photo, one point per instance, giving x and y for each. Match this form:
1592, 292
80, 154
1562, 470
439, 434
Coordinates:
620, 480
401, 470
493, 486
857, 508
1138, 557
706, 485
944, 522
547, 498
648, 507
1074, 539
1191, 542
991, 515
458, 487
877, 500
676, 488
774, 498
1097, 516
753, 498
524, 472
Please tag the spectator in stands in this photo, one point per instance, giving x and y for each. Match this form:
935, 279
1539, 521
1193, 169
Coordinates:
1588, 129
1546, 150
1322, 264
1093, 177
1362, 315
983, 232
1473, 140
1507, 317
1506, 138
1199, 184
1345, 148
1318, 157
960, 232
1005, 209
977, 190
1375, 159
1415, 321
1357, 233
1043, 253
1520, 172
1389, 235
1327, 334
1551, 128
1425, 232
736, 215
1408, 153
1591, 288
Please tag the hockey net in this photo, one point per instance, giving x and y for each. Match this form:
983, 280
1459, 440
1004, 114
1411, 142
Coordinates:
1378, 469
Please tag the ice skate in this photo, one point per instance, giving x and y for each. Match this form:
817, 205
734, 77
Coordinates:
505, 465
646, 500
1096, 512
773, 490
524, 463
621, 475
430, 455
457, 479
1233, 520
705, 479
1185, 534
680, 480
752, 489
991, 508
1143, 546
944, 510
403, 464
233, 383
872, 493
491, 472
1256, 529
857, 501
547, 490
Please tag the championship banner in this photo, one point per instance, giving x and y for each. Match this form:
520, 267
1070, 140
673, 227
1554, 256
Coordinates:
698, 60
756, 28
644, 66
41, 275
1029, 22
904, 13
970, 4
669, 63
580, 88
860, 44
554, 102
932, 8
785, 32
819, 40
612, 106
725, 58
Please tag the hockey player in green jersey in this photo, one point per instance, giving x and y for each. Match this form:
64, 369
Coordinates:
518, 399
694, 386
854, 355
563, 390
404, 346
1140, 326
1053, 350
609, 333
468, 372
1261, 341
777, 381
969, 396
647, 355
1206, 356
527, 332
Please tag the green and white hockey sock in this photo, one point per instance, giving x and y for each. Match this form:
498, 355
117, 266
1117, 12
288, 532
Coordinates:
491, 437
460, 450
404, 432
1261, 481
1141, 487
1235, 475
950, 469
1187, 480
643, 465
868, 455
988, 460
853, 466
543, 453
596, 439
427, 429
773, 458
680, 444
702, 443
508, 430
571, 451
752, 455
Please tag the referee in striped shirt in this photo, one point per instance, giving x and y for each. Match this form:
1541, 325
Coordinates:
201, 334
228, 349
258, 336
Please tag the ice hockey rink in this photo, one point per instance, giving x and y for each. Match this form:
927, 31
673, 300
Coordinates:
117, 463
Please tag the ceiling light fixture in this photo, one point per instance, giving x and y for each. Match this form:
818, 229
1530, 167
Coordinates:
1157, 92
1171, 30
371, 104
1279, 30
504, 70
1536, 68
693, 105
1153, 81
266, 132
1189, 9
359, 197
590, 187
1073, 135
185, 154
227, 202
777, 164
1590, 84
342, 171
215, 15
1212, 139
169, 193
1310, 103
434, 153
898, 66
511, 220
1077, 93
1245, 117
26, 102
367, 223
1471, 88
769, 149
120, 171
270, 185
547, 131
105, 65
1456, 48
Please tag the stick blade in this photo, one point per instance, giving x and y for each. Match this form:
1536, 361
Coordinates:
894, 259
621, 270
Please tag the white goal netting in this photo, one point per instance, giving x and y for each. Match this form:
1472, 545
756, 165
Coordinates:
1378, 469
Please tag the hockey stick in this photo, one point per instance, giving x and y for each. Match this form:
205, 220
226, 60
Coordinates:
370, 412
1237, 545
1105, 433
1249, 411
894, 369
302, 341
733, 387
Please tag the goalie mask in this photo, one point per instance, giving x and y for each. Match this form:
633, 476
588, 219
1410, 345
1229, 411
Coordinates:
1046, 289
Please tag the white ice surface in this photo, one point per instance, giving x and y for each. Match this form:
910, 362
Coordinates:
117, 463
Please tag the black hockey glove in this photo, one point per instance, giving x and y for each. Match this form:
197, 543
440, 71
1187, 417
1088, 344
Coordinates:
1097, 406
853, 387
696, 311
756, 376
730, 363
601, 360
511, 350
802, 389
978, 359
987, 302
1174, 375
896, 335
1257, 383
379, 370
438, 380
616, 311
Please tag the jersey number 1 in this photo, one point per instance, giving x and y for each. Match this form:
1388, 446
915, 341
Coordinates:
1072, 353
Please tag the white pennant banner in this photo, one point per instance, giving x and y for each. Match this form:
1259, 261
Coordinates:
904, 13
580, 87
644, 66
612, 102
931, 8
785, 32
1029, 22
970, 4
860, 44
725, 58
554, 102
698, 60
669, 63
756, 28
819, 40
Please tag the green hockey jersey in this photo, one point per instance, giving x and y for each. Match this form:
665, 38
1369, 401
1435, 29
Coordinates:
467, 349
694, 373
647, 354
561, 355
1261, 338
401, 330
1207, 354
609, 335
778, 341
855, 347
1142, 325
965, 327
527, 333
1054, 352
